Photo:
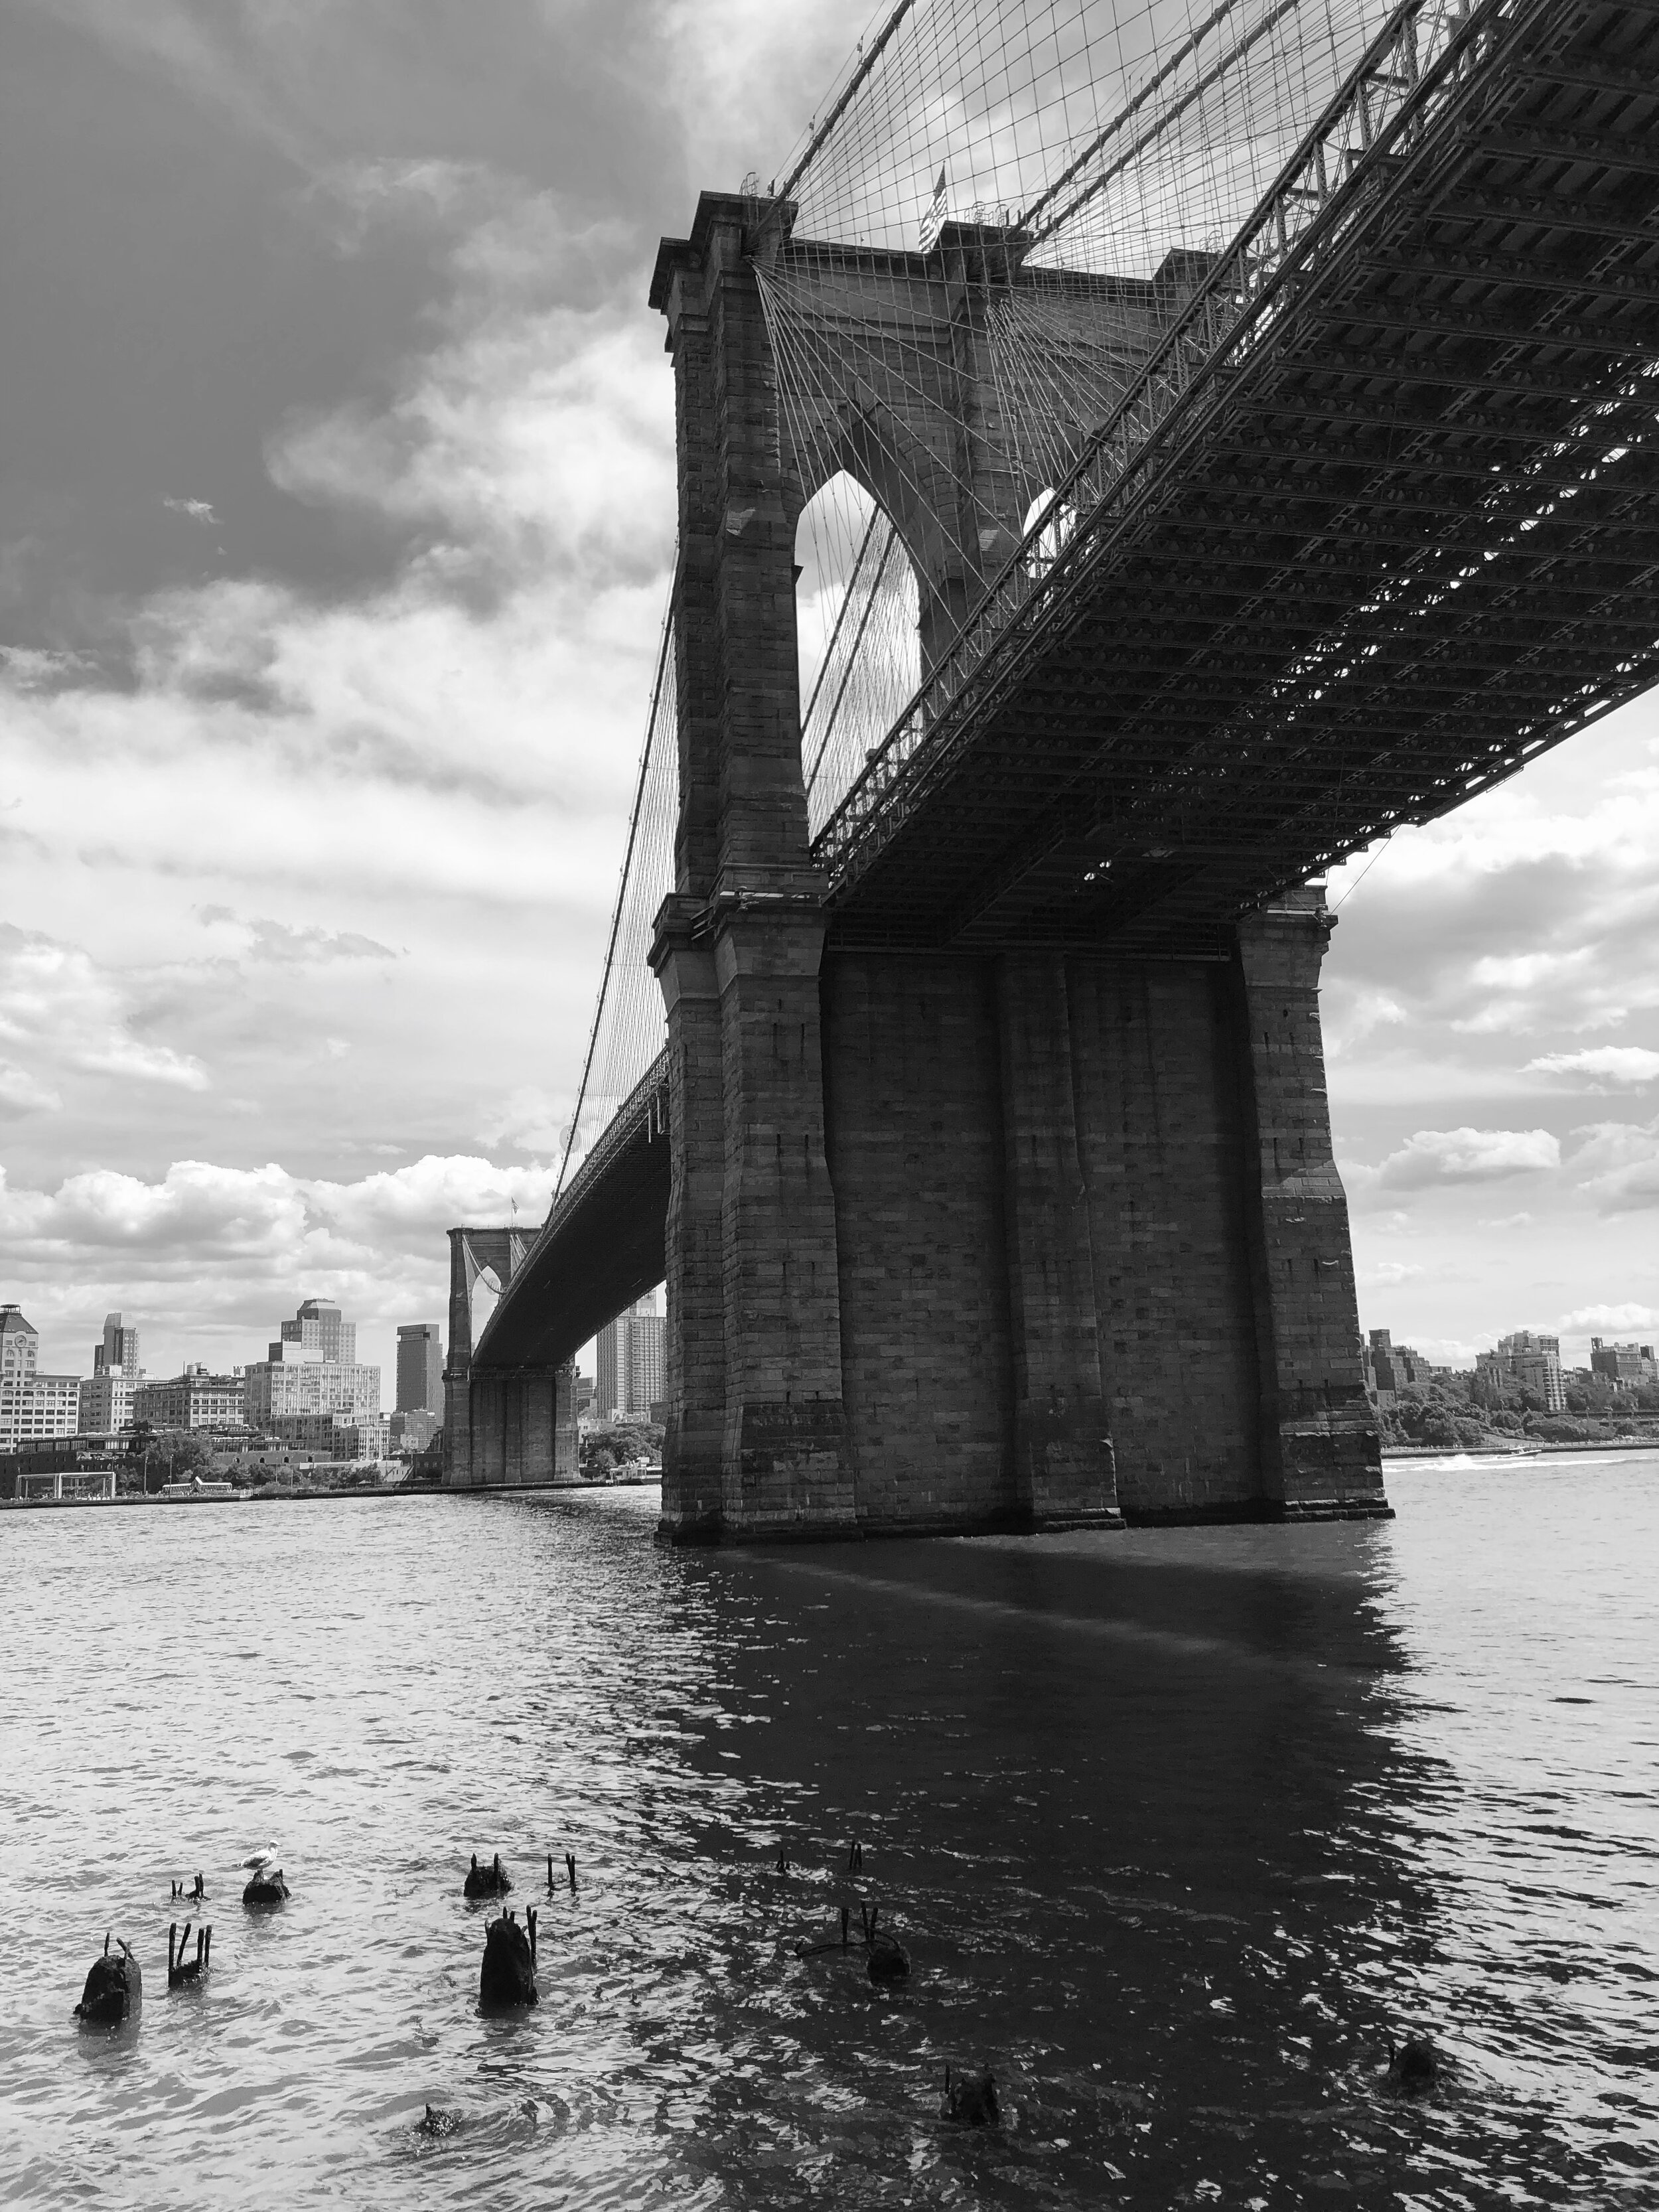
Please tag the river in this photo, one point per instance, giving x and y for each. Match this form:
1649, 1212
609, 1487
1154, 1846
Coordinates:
1175, 1824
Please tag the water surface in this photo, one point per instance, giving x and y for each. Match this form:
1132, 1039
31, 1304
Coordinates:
1175, 1824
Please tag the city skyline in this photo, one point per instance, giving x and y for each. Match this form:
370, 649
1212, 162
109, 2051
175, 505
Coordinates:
362, 648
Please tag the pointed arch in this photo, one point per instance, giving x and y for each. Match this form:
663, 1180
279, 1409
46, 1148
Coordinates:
858, 609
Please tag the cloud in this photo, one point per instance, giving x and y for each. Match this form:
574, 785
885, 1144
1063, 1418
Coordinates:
1620, 1064
1617, 1163
1605, 1320
264, 939
195, 510
530, 1120
199, 1212
65, 1011
37, 668
264, 1235
1464, 1156
22, 1093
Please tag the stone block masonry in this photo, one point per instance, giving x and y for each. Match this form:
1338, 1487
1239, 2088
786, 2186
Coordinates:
1053, 1223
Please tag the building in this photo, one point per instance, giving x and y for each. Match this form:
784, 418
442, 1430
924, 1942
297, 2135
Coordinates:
1529, 1361
105, 1403
631, 1351
318, 1331
34, 1407
193, 1400
411, 1429
1627, 1366
117, 1352
107, 1394
19, 1345
421, 1368
1391, 1368
282, 1389
332, 1435
312, 1370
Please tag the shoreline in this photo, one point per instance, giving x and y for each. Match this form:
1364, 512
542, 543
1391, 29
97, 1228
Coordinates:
273, 1497
1396, 1455
1406, 1452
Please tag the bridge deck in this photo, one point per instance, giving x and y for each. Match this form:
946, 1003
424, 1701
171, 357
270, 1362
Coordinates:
601, 1246
1378, 527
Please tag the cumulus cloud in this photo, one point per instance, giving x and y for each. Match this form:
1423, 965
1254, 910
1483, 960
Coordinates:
264, 1235
1607, 1320
1467, 1156
1624, 1065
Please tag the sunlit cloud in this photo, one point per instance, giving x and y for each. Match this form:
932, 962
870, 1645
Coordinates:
1622, 1065
1464, 1155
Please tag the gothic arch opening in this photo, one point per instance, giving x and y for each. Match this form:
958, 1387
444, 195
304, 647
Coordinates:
857, 612
1058, 517
486, 1294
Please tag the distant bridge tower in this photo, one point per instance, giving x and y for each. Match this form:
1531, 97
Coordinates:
963, 1232
511, 1426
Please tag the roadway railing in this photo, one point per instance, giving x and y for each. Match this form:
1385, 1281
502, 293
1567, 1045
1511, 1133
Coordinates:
1418, 66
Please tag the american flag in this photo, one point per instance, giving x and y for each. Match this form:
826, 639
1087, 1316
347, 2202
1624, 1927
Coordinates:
933, 221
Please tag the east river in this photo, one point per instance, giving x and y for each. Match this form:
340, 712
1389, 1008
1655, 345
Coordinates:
1176, 1825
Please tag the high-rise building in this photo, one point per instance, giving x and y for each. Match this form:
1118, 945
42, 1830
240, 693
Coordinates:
312, 1369
318, 1331
631, 1358
34, 1407
1531, 1360
107, 1394
274, 1390
420, 1368
119, 1351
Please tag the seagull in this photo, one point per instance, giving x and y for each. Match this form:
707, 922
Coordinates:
259, 1861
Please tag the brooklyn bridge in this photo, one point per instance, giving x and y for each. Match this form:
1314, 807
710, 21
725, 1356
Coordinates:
1128, 462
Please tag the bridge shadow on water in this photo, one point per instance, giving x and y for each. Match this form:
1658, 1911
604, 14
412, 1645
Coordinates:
1149, 1815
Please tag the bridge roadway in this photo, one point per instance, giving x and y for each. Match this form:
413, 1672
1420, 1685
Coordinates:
1375, 527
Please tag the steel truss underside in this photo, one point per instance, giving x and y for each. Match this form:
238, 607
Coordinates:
1407, 547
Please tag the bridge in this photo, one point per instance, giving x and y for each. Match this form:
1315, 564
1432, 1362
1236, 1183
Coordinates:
1123, 471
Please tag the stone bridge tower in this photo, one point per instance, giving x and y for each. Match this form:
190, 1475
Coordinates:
508, 1426
1016, 1236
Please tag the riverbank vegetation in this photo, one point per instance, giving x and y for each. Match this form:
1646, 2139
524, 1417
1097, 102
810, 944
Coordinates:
1470, 1413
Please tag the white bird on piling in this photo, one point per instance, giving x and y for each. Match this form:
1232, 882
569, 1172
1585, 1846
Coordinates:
264, 1860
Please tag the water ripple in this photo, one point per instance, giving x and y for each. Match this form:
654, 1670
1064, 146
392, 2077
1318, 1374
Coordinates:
1176, 1826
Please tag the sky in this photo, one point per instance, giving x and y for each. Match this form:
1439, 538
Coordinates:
336, 511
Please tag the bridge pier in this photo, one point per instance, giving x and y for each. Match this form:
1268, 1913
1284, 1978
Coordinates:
1318, 1440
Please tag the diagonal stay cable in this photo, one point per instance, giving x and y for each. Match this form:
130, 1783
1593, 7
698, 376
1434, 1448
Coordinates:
628, 862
